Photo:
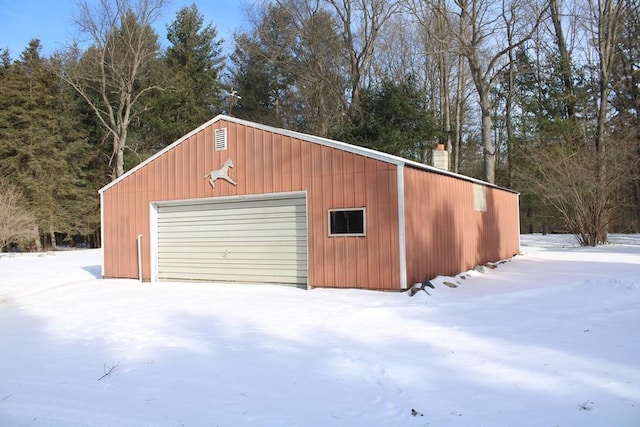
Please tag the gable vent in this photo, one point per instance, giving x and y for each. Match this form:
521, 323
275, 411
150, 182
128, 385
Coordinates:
221, 139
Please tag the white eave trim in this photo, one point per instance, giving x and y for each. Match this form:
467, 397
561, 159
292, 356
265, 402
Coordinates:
367, 152
159, 153
402, 240
102, 232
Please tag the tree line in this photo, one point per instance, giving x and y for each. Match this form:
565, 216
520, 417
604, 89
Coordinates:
537, 96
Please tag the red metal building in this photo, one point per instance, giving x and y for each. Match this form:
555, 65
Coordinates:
236, 201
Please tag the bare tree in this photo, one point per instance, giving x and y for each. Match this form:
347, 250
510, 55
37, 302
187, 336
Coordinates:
17, 225
606, 15
434, 19
112, 74
318, 64
360, 23
555, 11
508, 103
436, 41
563, 175
480, 36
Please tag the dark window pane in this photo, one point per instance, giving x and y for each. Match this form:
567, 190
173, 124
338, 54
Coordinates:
347, 222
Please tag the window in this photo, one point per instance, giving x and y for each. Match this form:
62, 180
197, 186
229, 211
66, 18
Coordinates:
347, 222
220, 139
479, 198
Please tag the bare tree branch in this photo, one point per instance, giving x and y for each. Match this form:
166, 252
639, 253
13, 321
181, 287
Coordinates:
108, 75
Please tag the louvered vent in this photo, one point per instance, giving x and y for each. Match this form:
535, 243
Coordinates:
221, 139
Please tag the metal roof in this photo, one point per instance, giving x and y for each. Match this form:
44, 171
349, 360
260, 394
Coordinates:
367, 152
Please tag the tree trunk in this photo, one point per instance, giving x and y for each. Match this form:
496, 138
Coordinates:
54, 244
37, 241
445, 110
508, 107
488, 148
608, 25
118, 145
459, 110
565, 59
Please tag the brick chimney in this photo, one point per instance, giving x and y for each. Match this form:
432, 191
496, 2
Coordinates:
441, 158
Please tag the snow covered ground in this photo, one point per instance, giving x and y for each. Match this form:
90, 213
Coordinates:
551, 338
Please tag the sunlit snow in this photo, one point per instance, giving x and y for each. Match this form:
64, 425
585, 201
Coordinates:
549, 338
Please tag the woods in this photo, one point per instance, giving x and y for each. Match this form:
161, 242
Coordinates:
542, 97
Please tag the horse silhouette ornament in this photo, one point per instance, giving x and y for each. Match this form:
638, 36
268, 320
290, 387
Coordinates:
222, 173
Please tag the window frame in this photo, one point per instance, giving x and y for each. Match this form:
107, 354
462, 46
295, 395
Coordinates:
364, 222
479, 197
220, 136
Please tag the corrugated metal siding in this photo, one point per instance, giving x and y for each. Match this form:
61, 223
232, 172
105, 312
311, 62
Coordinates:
267, 162
445, 236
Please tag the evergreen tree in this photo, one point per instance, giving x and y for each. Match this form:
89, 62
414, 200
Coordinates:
392, 118
41, 147
264, 72
190, 73
290, 70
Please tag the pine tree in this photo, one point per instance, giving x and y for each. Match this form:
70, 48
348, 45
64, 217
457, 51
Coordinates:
41, 146
264, 71
392, 118
190, 73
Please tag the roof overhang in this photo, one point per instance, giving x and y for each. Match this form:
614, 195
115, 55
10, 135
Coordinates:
363, 151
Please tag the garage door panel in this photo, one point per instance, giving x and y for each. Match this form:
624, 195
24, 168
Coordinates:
272, 205
231, 229
249, 213
234, 273
243, 277
207, 242
274, 267
249, 253
234, 240
230, 256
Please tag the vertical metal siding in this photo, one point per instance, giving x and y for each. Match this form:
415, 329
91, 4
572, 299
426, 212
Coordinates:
267, 163
443, 232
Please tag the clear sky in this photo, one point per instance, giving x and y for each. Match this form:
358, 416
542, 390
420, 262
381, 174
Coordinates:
52, 21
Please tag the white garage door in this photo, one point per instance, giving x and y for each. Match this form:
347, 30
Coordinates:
234, 240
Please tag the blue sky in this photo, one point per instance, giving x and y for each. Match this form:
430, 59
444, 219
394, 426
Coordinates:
51, 21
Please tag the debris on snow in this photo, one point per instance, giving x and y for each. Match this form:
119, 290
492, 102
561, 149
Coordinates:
586, 406
417, 287
108, 371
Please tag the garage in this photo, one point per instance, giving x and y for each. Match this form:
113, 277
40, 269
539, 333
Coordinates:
259, 239
235, 201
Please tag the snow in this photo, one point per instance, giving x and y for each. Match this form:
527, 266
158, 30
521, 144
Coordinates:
549, 338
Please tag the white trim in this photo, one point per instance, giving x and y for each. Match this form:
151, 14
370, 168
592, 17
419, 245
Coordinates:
518, 221
153, 240
159, 153
222, 199
364, 222
402, 238
139, 246
388, 158
367, 152
306, 218
153, 217
102, 230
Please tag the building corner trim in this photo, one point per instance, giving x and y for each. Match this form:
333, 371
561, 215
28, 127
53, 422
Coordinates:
402, 241
153, 241
102, 232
